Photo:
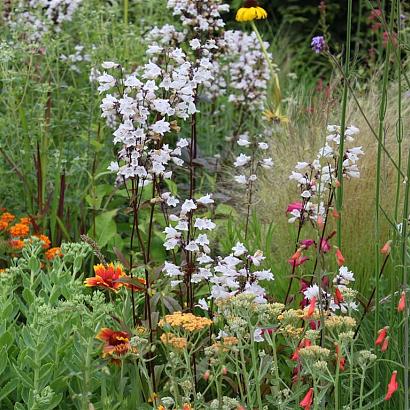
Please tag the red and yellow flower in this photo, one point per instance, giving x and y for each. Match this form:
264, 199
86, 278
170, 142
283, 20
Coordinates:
116, 343
106, 277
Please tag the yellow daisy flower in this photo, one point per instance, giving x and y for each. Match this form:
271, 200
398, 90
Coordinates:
251, 11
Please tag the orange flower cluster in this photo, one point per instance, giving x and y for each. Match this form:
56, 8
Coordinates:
16, 244
53, 253
186, 321
19, 230
45, 239
174, 341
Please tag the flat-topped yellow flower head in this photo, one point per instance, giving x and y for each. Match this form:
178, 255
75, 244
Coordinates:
251, 11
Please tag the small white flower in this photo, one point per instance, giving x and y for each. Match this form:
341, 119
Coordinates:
109, 64
182, 225
206, 200
240, 179
192, 247
161, 127
258, 335
195, 44
241, 160
202, 304
239, 249
188, 206
203, 223
267, 163
113, 167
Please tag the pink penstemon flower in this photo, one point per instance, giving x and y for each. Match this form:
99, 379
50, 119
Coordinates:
298, 206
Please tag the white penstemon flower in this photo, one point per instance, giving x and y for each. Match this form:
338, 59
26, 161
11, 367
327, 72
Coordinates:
316, 178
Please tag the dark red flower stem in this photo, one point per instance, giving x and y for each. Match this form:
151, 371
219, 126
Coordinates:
366, 309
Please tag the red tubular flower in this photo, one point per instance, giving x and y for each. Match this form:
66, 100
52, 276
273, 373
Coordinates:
338, 296
325, 246
402, 302
392, 386
296, 373
385, 344
382, 335
106, 277
294, 206
303, 343
312, 306
385, 250
340, 359
116, 343
307, 400
307, 243
297, 262
296, 255
335, 214
339, 257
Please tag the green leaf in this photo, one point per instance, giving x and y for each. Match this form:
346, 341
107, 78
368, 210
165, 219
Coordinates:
105, 228
23, 377
28, 296
4, 361
8, 388
34, 264
225, 210
6, 339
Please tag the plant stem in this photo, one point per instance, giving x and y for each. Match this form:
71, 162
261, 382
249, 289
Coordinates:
339, 192
276, 85
126, 5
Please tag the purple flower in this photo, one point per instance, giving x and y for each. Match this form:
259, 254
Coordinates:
318, 44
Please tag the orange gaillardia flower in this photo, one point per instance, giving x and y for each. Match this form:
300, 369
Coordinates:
106, 277
53, 253
19, 230
44, 238
116, 343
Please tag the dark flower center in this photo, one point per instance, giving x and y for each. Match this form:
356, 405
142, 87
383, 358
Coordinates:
250, 3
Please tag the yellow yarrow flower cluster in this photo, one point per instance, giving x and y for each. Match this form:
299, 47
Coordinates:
251, 11
174, 341
186, 321
340, 323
